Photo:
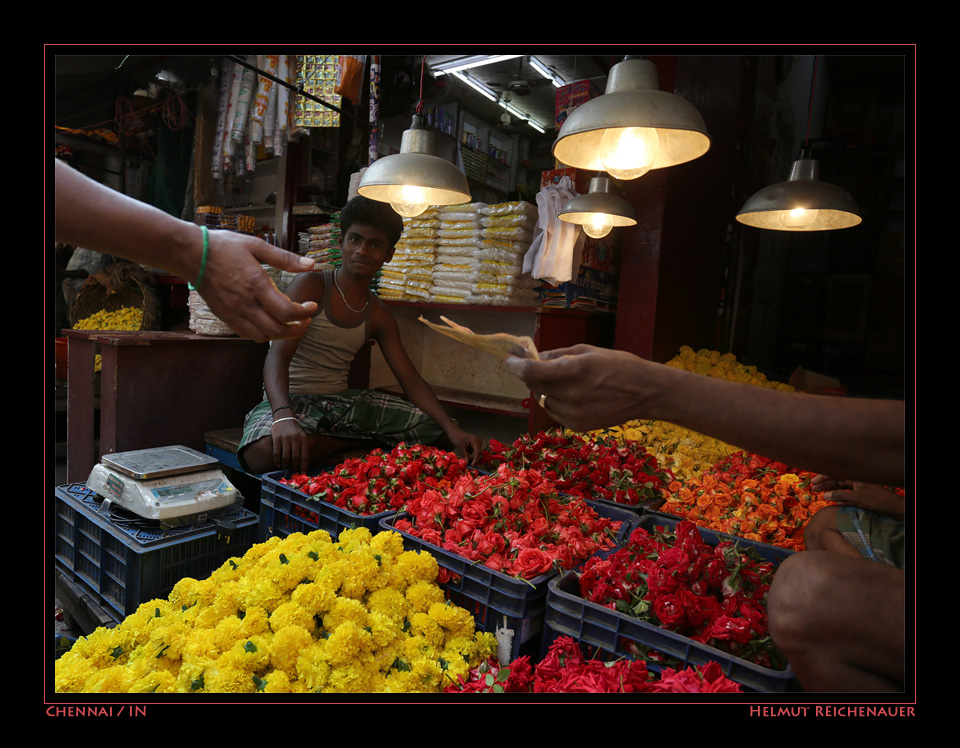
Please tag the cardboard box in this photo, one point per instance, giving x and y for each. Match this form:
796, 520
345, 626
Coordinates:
571, 96
579, 177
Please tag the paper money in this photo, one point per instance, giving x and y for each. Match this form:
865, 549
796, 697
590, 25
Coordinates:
500, 344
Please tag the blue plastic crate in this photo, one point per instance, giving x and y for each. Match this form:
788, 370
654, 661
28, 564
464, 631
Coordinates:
285, 510
765, 550
609, 631
123, 563
501, 593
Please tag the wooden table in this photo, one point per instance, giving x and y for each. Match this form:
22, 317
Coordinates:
156, 389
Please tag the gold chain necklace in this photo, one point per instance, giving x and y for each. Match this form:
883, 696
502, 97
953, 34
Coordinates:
346, 303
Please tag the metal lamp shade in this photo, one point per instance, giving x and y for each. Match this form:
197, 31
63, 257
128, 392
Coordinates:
600, 199
768, 208
632, 99
415, 165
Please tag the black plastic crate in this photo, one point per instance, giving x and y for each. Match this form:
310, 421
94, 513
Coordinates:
122, 562
285, 510
609, 631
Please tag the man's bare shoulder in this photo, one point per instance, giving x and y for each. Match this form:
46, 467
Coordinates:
307, 287
382, 319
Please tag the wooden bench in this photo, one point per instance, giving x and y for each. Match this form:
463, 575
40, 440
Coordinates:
223, 445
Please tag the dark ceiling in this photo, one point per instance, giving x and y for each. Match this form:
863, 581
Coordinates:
87, 87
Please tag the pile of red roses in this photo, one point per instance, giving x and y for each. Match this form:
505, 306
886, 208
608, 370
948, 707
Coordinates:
715, 595
590, 468
565, 670
381, 481
511, 521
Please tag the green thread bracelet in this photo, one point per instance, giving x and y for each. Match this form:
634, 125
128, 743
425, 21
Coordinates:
203, 260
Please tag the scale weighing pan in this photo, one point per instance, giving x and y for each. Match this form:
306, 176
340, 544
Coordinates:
172, 485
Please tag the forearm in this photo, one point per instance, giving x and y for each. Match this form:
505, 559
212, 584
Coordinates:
96, 217
856, 438
276, 380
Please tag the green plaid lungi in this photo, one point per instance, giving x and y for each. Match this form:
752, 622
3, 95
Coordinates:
876, 536
352, 414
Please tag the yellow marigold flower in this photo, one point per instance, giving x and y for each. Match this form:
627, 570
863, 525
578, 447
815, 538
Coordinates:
421, 595
359, 676
250, 654
255, 621
115, 679
262, 592
345, 610
388, 602
276, 681
386, 632
346, 643
422, 625
227, 678
290, 614
191, 676
155, 681
227, 631
364, 573
388, 545
411, 567
312, 668
313, 597
353, 538
454, 620
286, 646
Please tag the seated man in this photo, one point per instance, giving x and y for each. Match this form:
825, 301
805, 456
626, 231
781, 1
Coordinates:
309, 414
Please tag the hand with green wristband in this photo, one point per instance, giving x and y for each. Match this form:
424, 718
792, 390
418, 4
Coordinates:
223, 266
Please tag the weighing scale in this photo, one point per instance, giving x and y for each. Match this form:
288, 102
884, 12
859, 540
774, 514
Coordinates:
173, 485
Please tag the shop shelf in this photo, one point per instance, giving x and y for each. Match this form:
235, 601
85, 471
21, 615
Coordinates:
609, 631
123, 562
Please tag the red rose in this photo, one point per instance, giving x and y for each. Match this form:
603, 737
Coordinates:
531, 562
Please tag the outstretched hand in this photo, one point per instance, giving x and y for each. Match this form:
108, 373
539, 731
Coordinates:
586, 387
241, 294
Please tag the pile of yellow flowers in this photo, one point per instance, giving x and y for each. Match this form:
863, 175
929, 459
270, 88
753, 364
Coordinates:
301, 614
684, 452
722, 366
124, 318
688, 453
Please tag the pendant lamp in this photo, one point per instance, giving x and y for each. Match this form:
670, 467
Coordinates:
633, 127
803, 202
600, 210
414, 179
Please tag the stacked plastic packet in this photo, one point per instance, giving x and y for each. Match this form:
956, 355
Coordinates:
323, 243
457, 264
505, 237
409, 274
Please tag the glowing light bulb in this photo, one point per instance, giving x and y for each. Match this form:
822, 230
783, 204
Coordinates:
411, 201
798, 218
597, 225
629, 152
